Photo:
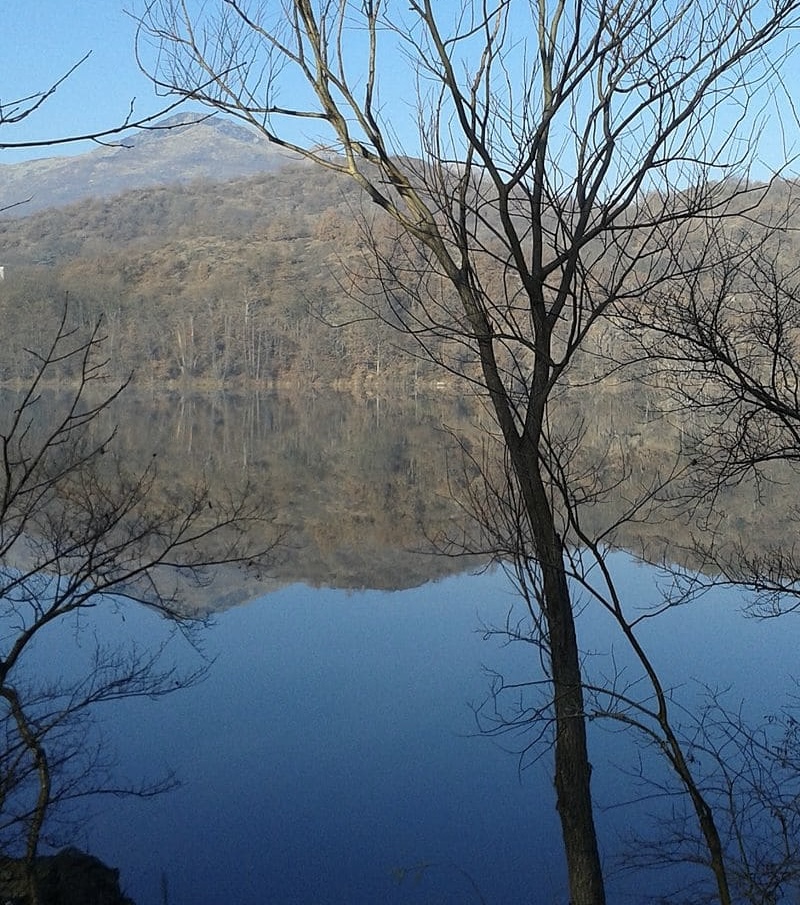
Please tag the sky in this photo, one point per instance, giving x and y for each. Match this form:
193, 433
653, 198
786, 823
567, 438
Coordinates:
40, 40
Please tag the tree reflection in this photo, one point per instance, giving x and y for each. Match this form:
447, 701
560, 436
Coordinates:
81, 532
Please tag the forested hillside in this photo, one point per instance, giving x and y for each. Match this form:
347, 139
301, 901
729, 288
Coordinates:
260, 283
230, 282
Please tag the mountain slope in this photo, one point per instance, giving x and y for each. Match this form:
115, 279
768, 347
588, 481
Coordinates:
179, 150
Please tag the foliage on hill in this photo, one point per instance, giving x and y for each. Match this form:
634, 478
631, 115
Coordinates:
237, 285
260, 281
231, 282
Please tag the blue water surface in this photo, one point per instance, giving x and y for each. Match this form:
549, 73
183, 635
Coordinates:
332, 749
332, 745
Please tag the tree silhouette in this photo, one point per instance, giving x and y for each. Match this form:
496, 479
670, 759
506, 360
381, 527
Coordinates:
565, 156
80, 531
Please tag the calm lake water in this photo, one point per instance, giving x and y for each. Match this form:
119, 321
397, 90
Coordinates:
333, 744
332, 748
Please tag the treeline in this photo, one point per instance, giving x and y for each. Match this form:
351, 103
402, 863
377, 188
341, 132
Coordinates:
256, 282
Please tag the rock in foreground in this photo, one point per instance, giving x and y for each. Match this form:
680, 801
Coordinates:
70, 877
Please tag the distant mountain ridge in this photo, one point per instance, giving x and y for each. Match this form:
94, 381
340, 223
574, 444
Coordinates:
180, 149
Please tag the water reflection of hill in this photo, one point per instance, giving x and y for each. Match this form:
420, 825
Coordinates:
360, 487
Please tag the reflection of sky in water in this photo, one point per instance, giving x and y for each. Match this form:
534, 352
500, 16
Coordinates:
330, 743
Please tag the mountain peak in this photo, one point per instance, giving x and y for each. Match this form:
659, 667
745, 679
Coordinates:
207, 124
181, 148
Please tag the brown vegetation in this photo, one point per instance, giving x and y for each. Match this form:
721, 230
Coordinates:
234, 283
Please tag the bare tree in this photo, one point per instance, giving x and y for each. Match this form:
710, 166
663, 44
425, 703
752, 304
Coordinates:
565, 156
16, 110
79, 530
729, 342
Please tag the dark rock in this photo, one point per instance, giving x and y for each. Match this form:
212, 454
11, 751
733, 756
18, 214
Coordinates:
70, 877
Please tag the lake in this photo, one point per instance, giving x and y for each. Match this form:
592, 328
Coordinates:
333, 745
332, 749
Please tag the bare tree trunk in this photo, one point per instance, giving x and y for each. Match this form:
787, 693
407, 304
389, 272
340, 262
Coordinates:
39, 758
572, 768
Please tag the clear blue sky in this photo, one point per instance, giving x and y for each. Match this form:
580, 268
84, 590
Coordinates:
41, 39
